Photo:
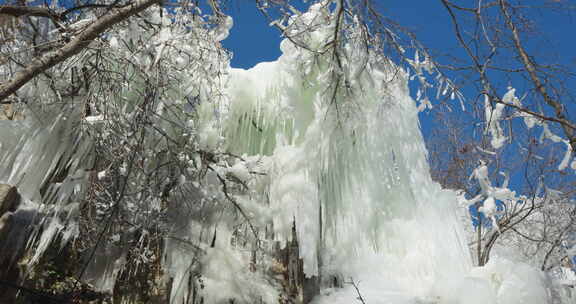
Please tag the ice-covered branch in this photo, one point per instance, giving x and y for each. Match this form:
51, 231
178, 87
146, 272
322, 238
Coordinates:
73, 47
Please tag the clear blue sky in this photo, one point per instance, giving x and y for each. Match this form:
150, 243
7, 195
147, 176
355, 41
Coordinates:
253, 41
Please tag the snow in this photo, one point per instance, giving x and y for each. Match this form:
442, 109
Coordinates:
94, 119
567, 156
209, 138
510, 97
493, 115
513, 282
567, 276
481, 174
530, 121
489, 208
240, 171
101, 174
548, 134
223, 29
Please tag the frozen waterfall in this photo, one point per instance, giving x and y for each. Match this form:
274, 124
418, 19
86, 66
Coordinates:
329, 148
351, 170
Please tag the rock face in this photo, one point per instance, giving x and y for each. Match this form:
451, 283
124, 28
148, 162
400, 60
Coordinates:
297, 288
6, 112
9, 201
9, 112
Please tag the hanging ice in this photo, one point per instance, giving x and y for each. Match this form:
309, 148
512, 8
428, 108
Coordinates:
350, 168
354, 178
36, 150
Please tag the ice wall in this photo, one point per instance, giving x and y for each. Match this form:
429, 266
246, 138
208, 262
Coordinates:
333, 146
349, 166
354, 179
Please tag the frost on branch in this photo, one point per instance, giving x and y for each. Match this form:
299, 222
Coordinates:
493, 116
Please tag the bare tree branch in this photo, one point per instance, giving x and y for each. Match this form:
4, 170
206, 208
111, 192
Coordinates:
568, 129
73, 47
472, 10
35, 11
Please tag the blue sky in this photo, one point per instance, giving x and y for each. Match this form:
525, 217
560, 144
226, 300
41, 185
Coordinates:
252, 41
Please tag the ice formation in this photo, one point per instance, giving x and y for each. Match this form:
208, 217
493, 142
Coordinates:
335, 150
350, 168
34, 153
360, 171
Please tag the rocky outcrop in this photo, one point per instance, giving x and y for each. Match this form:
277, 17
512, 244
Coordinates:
9, 201
297, 287
9, 112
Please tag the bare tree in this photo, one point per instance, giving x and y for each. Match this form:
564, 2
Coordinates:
520, 125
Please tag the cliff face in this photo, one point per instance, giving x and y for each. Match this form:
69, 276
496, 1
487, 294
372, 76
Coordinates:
9, 199
10, 249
